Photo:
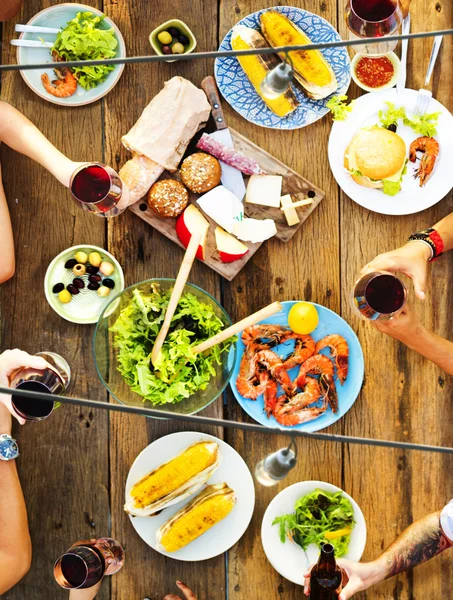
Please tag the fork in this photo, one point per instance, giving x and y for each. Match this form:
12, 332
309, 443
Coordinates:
424, 96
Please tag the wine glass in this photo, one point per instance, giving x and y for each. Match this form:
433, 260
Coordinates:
379, 296
373, 19
97, 188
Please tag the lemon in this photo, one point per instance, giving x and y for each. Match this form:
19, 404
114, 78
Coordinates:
303, 318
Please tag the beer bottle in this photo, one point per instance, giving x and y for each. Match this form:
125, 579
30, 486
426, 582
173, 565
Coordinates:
326, 576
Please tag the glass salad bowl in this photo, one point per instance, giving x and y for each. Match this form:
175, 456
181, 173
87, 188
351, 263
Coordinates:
131, 314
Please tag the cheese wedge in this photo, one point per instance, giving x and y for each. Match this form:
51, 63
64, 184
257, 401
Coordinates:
265, 190
222, 206
292, 218
254, 230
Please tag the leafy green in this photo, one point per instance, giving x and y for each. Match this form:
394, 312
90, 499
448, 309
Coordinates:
340, 110
316, 515
178, 373
82, 39
391, 188
425, 125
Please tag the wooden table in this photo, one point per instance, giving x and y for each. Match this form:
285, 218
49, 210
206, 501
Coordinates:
73, 466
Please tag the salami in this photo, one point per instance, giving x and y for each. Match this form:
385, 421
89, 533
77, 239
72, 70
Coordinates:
229, 156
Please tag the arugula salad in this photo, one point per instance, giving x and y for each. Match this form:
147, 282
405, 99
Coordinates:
319, 518
178, 373
83, 39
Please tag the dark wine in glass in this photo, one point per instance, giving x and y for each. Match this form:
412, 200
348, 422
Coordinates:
373, 19
379, 295
97, 188
80, 567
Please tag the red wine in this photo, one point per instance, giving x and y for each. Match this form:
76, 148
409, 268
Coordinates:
374, 10
74, 569
29, 408
385, 294
91, 184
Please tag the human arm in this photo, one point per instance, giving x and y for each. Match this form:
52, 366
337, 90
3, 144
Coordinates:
412, 258
9, 9
407, 328
420, 542
8, 262
15, 543
17, 132
188, 594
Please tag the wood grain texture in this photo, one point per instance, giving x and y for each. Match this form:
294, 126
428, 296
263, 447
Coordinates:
293, 184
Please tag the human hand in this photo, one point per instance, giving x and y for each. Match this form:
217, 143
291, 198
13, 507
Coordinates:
411, 259
405, 326
188, 594
357, 577
87, 594
10, 362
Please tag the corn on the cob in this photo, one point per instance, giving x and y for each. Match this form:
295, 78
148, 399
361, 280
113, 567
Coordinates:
174, 480
206, 510
257, 67
311, 69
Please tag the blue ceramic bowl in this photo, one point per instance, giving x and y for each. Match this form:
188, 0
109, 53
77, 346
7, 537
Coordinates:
57, 17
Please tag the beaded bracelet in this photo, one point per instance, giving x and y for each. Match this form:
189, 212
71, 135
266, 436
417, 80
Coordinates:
432, 238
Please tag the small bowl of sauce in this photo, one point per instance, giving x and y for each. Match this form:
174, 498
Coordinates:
375, 73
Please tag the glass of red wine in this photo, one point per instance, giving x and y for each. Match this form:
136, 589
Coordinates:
97, 188
52, 380
379, 296
373, 19
86, 563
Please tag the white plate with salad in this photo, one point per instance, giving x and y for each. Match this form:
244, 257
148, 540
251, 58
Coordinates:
301, 518
85, 33
411, 198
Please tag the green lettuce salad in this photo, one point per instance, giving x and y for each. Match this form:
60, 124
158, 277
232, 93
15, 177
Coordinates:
178, 373
424, 125
82, 39
319, 518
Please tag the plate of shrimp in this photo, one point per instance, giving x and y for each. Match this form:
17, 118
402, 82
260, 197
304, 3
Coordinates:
428, 177
58, 84
286, 380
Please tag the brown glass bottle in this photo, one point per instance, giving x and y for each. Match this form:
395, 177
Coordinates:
325, 578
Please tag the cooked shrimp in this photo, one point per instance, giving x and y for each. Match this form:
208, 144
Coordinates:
257, 334
64, 86
293, 411
327, 385
250, 384
274, 365
303, 349
430, 147
315, 365
270, 397
340, 351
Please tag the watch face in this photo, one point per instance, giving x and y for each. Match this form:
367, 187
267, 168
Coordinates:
8, 448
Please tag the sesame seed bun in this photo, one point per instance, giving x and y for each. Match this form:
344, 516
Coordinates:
377, 153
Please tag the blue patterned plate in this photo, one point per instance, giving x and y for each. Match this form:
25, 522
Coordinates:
329, 322
239, 92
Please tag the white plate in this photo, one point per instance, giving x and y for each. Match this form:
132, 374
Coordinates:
56, 17
232, 470
412, 198
289, 559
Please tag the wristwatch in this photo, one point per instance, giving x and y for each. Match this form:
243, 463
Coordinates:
9, 450
432, 239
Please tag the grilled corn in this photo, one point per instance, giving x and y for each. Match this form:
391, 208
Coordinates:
206, 510
175, 480
257, 67
311, 69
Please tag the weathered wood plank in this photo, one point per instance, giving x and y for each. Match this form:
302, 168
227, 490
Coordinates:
64, 460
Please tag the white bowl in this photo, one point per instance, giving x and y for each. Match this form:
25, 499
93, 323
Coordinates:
288, 558
392, 58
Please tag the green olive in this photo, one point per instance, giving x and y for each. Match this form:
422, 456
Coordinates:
164, 37
64, 297
177, 48
81, 257
103, 291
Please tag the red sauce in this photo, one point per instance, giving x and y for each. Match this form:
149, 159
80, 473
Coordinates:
374, 72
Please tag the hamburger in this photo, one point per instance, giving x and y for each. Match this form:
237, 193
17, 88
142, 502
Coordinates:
376, 158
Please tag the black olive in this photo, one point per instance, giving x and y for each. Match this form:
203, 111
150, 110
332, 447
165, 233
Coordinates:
58, 287
173, 31
94, 278
92, 270
93, 286
79, 283
392, 127
70, 263
183, 40
72, 289
108, 283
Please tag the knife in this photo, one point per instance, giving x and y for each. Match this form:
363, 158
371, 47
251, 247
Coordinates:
401, 83
231, 178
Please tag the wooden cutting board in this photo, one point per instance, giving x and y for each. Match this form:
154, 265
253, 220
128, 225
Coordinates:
293, 183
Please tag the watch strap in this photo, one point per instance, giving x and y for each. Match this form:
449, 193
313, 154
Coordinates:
432, 238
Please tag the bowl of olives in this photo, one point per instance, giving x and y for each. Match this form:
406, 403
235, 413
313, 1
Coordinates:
172, 38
